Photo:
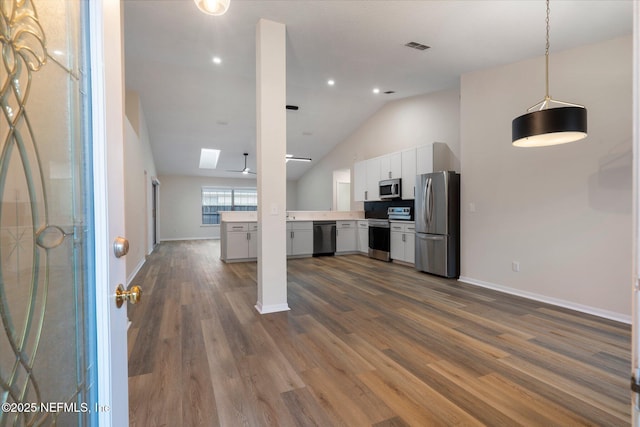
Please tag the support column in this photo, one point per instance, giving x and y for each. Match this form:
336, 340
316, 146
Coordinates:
271, 142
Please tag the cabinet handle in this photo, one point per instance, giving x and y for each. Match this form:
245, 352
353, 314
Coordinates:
404, 237
390, 174
248, 236
366, 194
292, 234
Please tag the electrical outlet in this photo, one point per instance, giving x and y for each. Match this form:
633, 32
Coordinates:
515, 266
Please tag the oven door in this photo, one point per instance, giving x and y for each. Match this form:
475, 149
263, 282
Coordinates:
379, 241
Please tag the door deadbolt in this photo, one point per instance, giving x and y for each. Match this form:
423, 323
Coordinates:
120, 247
133, 295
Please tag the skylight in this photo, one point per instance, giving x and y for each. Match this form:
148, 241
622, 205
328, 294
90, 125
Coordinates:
209, 158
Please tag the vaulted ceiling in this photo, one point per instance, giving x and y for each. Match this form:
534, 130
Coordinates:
192, 103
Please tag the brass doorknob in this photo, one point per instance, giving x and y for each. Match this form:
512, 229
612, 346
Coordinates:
133, 295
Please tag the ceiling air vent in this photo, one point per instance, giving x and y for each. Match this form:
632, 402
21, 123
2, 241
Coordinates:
389, 92
292, 107
419, 46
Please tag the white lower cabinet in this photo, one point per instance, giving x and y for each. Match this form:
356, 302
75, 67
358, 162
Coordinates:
239, 241
346, 237
363, 236
403, 241
299, 238
410, 247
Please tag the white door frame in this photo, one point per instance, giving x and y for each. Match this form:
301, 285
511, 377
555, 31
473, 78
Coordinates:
635, 328
107, 100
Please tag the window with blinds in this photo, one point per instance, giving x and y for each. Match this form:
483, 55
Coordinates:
219, 199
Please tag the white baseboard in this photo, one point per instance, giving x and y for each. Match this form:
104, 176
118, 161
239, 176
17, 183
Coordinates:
136, 270
550, 300
274, 308
189, 238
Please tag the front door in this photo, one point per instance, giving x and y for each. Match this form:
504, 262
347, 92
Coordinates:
61, 338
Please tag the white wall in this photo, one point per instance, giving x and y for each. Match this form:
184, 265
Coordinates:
180, 213
396, 126
139, 170
563, 212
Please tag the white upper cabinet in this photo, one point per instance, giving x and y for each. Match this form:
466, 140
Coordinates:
408, 159
366, 177
373, 180
391, 166
424, 159
359, 181
402, 164
433, 157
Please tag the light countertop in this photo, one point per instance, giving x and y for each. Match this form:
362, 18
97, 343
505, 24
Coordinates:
296, 216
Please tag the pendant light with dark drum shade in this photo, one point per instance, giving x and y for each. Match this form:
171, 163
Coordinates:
548, 125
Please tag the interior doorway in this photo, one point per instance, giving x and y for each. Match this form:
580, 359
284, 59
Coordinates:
155, 184
342, 190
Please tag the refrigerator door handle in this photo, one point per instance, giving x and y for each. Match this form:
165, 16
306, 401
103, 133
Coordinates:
431, 204
429, 197
430, 237
425, 212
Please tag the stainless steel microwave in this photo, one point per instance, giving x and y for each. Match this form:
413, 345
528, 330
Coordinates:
389, 189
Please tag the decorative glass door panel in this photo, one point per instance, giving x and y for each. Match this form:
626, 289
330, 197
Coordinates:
47, 334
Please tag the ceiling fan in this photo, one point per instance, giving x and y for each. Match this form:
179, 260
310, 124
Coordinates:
245, 170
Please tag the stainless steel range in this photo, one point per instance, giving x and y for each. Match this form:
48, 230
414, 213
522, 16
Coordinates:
379, 239
380, 232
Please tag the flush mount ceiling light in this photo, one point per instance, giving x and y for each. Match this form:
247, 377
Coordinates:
549, 125
213, 7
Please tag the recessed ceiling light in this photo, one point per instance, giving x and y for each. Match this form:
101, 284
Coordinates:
331, 82
217, 60
209, 158
376, 90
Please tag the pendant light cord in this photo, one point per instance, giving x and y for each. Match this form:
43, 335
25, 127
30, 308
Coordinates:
547, 101
546, 57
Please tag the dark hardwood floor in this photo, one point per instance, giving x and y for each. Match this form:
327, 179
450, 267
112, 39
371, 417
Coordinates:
365, 343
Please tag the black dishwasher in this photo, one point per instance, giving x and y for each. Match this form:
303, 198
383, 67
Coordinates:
324, 238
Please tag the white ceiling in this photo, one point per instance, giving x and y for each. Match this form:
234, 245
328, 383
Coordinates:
191, 103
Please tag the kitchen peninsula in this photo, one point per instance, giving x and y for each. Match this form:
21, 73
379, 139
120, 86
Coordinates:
239, 233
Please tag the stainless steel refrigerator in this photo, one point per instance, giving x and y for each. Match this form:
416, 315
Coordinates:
437, 216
